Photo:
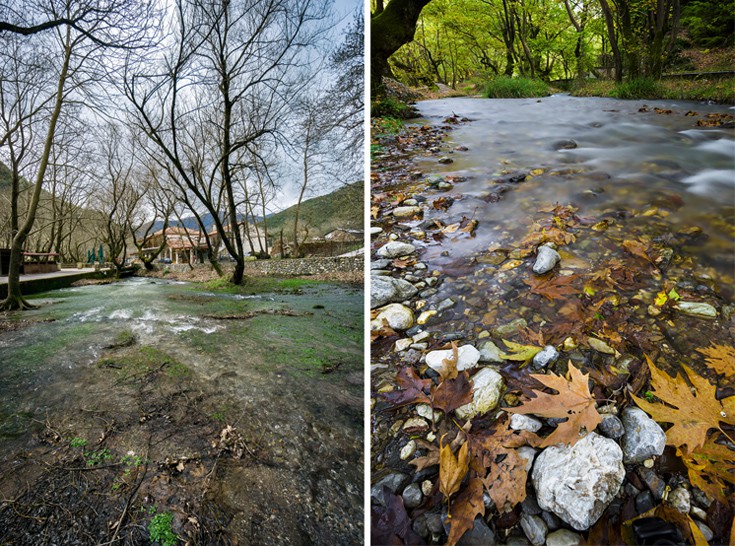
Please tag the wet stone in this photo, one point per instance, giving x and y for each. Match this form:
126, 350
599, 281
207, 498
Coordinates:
564, 145
534, 528
406, 212
479, 535
394, 249
697, 309
489, 352
551, 520
412, 495
563, 537
394, 481
611, 426
644, 502
519, 421
385, 290
643, 437
545, 356
706, 531
445, 304
655, 484
379, 264
434, 523
505, 330
488, 385
467, 358
546, 260
446, 160
680, 499
398, 317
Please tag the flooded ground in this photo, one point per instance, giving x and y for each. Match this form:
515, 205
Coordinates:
638, 198
240, 415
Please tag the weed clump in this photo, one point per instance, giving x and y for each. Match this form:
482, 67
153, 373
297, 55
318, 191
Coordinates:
160, 530
504, 87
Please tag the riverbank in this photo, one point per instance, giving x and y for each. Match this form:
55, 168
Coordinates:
214, 416
558, 242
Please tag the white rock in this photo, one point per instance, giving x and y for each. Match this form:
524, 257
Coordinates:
519, 421
467, 358
545, 356
578, 482
375, 230
404, 212
487, 388
563, 537
643, 437
421, 336
408, 450
398, 317
403, 344
681, 499
697, 309
425, 411
546, 259
394, 249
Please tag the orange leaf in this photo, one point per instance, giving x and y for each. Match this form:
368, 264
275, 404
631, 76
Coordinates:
720, 358
573, 401
692, 415
452, 469
467, 506
637, 249
556, 288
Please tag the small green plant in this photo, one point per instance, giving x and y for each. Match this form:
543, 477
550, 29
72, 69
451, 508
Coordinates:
391, 108
160, 530
649, 396
77, 442
503, 87
639, 88
95, 458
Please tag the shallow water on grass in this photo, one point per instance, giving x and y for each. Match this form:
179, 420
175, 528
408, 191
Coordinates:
294, 382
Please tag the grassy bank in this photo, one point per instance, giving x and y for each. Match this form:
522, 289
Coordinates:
720, 90
503, 87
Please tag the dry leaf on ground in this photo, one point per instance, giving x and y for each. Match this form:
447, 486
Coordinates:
412, 389
452, 469
466, 507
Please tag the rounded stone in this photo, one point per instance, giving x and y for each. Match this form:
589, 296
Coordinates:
467, 358
412, 495
563, 537
398, 317
611, 426
643, 437
394, 249
488, 386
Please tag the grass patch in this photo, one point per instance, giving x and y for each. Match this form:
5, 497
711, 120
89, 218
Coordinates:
719, 90
160, 529
391, 108
503, 87
142, 361
256, 285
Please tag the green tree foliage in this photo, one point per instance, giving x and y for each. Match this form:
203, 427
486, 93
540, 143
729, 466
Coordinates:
710, 23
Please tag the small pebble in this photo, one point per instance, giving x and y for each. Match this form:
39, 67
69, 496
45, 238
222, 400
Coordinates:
408, 450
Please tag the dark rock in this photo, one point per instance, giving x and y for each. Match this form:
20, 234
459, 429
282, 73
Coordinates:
434, 523
644, 502
412, 495
564, 145
479, 535
552, 521
419, 526
611, 426
530, 506
654, 483
534, 529
393, 480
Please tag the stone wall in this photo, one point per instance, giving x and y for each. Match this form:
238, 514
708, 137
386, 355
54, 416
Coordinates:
289, 267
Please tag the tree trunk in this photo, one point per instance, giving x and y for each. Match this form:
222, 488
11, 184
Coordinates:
613, 39
15, 299
390, 29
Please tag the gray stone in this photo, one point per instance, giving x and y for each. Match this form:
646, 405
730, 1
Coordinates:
479, 535
546, 259
445, 304
489, 352
519, 421
394, 249
398, 317
517, 541
563, 537
545, 356
611, 426
379, 264
530, 506
551, 520
564, 145
412, 495
706, 531
681, 499
653, 482
643, 437
393, 480
434, 523
509, 328
419, 526
600, 346
467, 358
487, 388
534, 528
697, 309
410, 202
697, 512
385, 290
578, 482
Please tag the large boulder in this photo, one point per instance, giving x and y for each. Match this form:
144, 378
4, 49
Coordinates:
577, 483
388, 290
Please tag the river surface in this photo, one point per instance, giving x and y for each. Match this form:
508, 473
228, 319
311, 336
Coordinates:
625, 159
290, 382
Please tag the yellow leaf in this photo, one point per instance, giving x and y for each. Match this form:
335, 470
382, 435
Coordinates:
661, 298
510, 264
720, 358
518, 352
452, 469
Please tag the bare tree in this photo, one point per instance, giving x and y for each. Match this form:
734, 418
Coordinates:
113, 24
228, 86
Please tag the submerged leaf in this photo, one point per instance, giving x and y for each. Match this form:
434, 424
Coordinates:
720, 358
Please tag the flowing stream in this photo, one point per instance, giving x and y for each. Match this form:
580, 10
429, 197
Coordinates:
289, 379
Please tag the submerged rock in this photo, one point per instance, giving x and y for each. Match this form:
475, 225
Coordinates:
394, 249
488, 386
578, 482
489, 352
406, 212
385, 290
564, 145
546, 260
697, 309
643, 437
563, 537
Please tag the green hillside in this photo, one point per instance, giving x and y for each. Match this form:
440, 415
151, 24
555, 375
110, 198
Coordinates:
342, 208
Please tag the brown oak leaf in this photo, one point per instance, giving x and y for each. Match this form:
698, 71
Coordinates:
467, 506
693, 414
556, 288
573, 401
637, 249
451, 394
709, 467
